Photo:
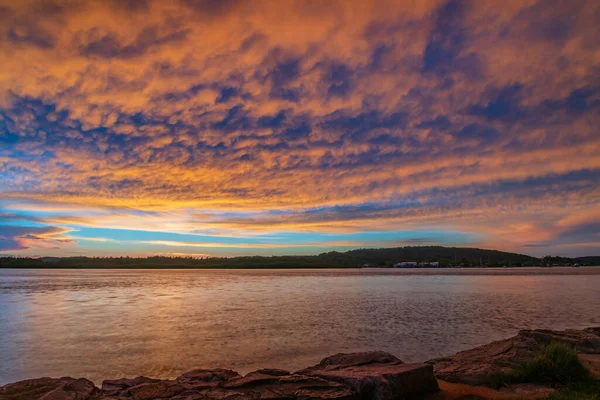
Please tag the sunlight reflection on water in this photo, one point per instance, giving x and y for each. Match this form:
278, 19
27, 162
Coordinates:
112, 323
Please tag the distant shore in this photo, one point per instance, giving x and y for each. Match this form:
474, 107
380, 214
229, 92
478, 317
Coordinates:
534, 270
403, 257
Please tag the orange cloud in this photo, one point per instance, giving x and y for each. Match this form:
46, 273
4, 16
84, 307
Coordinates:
469, 110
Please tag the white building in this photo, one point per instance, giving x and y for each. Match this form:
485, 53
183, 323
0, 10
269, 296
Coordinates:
405, 264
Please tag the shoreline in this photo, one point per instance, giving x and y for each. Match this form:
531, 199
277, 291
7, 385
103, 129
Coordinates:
307, 268
346, 376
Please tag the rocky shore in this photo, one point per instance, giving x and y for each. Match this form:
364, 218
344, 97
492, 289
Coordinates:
356, 376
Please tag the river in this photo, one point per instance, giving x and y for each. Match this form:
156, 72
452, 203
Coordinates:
104, 324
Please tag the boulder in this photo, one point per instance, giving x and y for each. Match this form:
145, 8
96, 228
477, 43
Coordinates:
155, 390
355, 359
584, 341
477, 366
260, 377
376, 375
595, 330
115, 387
49, 389
30, 388
278, 384
205, 378
78, 389
356, 376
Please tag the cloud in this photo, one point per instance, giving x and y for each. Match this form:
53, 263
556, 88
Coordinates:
24, 237
344, 114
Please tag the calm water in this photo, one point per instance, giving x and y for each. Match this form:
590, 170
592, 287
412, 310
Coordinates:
112, 323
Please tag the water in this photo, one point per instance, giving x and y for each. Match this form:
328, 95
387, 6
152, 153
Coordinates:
105, 324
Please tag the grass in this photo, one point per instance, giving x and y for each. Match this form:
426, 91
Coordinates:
555, 364
586, 390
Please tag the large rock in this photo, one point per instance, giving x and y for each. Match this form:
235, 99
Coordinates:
477, 366
49, 389
355, 359
205, 378
357, 376
155, 390
115, 387
376, 375
278, 384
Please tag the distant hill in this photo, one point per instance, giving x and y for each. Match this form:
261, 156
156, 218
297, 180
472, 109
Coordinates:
588, 260
446, 256
385, 257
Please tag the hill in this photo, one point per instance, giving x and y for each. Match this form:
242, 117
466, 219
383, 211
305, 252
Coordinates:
384, 257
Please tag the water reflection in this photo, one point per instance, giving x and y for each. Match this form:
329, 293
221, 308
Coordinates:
109, 324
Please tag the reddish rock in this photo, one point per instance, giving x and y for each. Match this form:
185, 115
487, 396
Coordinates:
595, 330
585, 341
383, 381
528, 391
49, 389
376, 375
223, 394
324, 393
155, 390
278, 384
357, 376
353, 359
78, 389
260, 377
476, 366
116, 386
30, 388
205, 378
373, 375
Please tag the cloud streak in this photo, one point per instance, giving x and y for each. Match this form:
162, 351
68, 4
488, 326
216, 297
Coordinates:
240, 119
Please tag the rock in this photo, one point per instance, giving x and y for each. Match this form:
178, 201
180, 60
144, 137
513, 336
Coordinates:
595, 330
586, 341
279, 384
376, 375
204, 378
592, 362
155, 390
371, 375
30, 388
477, 366
78, 389
356, 376
262, 376
528, 391
273, 372
222, 394
387, 381
357, 359
116, 386
324, 393
49, 389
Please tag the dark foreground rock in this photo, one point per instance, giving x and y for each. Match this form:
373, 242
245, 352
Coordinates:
49, 389
477, 366
358, 376
376, 375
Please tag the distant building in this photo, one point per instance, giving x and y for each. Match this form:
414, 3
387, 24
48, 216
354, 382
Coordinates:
408, 264
405, 264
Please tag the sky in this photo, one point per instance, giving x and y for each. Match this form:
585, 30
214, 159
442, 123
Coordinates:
234, 127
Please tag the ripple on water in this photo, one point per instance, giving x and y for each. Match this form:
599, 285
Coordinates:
113, 323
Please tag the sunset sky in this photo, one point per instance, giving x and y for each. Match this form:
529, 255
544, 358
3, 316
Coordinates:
196, 127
